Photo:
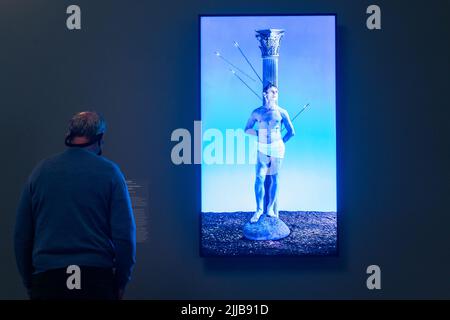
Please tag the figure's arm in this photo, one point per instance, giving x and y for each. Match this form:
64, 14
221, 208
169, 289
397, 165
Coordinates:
289, 127
250, 124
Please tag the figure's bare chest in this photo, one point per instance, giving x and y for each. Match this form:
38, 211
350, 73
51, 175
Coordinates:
269, 116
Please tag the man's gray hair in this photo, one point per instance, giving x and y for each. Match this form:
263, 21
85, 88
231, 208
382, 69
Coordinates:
86, 124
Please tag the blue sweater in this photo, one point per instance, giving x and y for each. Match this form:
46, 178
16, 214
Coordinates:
75, 210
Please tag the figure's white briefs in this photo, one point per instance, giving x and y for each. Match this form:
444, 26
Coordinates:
275, 149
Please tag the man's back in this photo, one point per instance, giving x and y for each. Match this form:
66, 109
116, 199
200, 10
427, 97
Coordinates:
75, 209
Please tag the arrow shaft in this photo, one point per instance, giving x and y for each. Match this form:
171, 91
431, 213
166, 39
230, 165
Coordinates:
249, 63
231, 64
259, 98
295, 117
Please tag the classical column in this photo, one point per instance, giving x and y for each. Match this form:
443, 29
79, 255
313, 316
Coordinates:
268, 228
269, 43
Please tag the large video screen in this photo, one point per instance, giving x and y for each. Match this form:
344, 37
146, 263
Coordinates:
268, 121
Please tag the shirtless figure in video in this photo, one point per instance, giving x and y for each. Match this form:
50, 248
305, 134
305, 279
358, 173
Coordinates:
271, 147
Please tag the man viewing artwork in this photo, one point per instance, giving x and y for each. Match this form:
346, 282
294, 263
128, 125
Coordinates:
75, 214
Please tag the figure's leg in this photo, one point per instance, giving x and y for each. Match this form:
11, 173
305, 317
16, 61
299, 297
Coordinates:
275, 208
273, 186
261, 170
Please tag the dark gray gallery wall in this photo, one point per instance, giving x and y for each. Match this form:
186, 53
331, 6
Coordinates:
137, 63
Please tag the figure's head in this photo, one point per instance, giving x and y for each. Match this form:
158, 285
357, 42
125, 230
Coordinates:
270, 93
86, 129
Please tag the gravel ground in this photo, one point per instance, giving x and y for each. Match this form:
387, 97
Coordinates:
312, 233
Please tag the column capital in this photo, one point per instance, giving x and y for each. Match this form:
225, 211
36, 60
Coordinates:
269, 40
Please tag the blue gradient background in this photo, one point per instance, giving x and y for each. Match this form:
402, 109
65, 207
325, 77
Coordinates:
306, 75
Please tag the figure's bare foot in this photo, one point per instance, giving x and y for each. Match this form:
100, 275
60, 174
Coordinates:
256, 216
271, 213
